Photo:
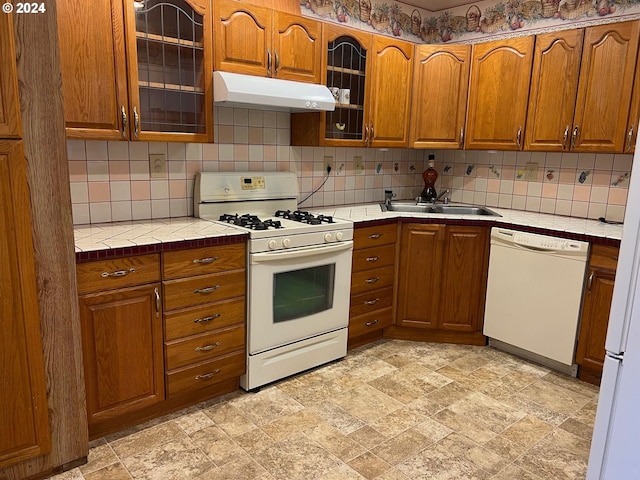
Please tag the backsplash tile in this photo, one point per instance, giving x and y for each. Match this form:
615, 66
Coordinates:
110, 181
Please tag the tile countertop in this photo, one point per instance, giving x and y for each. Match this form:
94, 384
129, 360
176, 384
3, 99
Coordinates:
104, 240
576, 228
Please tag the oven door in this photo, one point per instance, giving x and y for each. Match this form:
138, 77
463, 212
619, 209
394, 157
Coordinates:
298, 293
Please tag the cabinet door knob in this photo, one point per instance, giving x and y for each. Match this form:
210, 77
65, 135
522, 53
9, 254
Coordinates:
136, 122
565, 137
574, 137
277, 62
123, 114
629, 138
462, 137
205, 260
366, 135
590, 282
519, 137
155, 290
269, 61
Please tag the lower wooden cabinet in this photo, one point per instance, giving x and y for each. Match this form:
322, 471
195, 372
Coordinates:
372, 282
122, 347
442, 281
24, 417
601, 274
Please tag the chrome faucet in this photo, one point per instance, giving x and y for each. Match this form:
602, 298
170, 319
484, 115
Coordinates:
388, 195
440, 195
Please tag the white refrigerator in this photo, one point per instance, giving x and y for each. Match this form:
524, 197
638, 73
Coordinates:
615, 453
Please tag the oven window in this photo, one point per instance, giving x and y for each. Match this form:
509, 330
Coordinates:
299, 293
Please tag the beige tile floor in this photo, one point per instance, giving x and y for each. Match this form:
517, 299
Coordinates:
391, 410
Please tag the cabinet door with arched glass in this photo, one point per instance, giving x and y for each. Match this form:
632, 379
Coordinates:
347, 66
170, 62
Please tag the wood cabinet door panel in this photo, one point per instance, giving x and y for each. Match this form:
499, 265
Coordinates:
202, 319
242, 37
93, 67
390, 92
371, 236
24, 422
554, 85
419, 282
364, 259
122, 347
602, 105
439, 101
498, 94
595, 319
204, 374
464, 278
191, 291
200, 261
204, 347
10, 125
297, 48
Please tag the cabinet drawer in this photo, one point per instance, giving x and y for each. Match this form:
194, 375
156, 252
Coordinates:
200, 261
203, 289
604, 257
366, 258
370, 322
179, 353
206, 318
118, 273
205, 374
371, 236
373, 279
371, 301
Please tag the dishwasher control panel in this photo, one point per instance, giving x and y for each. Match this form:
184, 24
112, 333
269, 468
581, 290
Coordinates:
537, 242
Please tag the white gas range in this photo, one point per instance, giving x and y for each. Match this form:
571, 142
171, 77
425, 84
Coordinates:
299, 272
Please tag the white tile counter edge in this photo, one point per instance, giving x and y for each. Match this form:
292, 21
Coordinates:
106, 236
557, 223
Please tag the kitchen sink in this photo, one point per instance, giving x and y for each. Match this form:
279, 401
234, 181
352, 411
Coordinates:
413, 207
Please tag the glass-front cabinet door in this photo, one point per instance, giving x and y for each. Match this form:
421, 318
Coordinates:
347, 68
170, 63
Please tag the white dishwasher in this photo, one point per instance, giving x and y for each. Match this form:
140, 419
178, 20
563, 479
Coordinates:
534, 295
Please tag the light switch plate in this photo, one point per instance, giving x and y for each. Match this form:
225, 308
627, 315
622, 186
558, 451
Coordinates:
157, 165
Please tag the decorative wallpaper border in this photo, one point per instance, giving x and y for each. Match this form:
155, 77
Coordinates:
476, 22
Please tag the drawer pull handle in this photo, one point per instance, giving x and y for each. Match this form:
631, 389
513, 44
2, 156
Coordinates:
371, 302
204, 261
373, 236
372, 322
118, 273
206, 319
207, 376
372, 280
206, 290
373, 259
207, 348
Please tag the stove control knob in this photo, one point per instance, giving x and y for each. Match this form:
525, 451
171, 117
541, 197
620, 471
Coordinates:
338, 236
286, 243
271, 244
328, 237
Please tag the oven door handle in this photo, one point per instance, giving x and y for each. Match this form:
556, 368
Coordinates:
300, 252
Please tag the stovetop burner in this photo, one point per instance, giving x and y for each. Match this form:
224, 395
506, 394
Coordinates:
304, 217
250, 221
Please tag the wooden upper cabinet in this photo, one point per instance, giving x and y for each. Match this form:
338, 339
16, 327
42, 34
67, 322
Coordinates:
498, 94
554, 85
24, 422
93, 66
390, 93
439, 101
604, 91
9, 106
242, 38
259, 41
137, 72
634, 113
170, 61
297, 48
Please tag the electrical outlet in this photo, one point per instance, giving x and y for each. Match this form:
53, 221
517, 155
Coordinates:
328, 163
358, 166
157, 165
531, 172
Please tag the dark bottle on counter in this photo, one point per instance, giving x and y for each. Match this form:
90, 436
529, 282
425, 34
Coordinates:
429, 176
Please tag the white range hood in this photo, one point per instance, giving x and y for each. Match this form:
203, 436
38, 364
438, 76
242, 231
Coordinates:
247, 91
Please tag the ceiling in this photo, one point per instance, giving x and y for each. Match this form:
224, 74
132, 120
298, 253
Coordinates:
436, 5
